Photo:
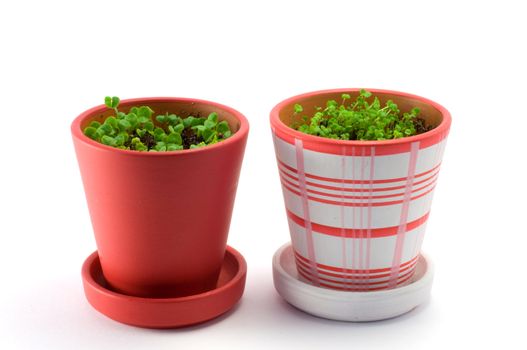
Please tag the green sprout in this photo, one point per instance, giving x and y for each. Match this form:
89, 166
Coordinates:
139, 130
362, 119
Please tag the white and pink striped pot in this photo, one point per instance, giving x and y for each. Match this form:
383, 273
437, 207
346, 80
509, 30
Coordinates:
357, 210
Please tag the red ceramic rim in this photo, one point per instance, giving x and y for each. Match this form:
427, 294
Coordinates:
276, 123
239, 134
86, 275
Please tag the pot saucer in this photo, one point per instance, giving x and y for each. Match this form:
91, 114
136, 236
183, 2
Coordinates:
349, 306
166, 312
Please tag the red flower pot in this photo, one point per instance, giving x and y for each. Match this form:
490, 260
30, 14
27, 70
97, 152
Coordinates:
161, 219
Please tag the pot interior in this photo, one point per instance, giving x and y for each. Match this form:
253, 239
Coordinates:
182, 108
428, 112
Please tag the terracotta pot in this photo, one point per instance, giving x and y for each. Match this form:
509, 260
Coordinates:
161, 220
357, 210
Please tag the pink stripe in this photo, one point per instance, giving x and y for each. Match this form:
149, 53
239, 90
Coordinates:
342, 219
357, 281
401, 231
333, 286
361, 220
353, 221
283, 178
285, 173
305, 208
355, 181
322, 267
370, 201
341, 274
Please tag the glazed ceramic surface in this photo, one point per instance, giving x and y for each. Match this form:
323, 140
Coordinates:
161, 219
166, 312
355, 306
357, 210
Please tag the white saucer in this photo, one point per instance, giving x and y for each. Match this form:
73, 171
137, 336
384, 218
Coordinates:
349, 306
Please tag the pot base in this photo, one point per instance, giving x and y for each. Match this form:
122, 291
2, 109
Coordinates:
166, 312
349, 306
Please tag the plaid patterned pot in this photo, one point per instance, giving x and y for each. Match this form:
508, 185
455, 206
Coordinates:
357, 210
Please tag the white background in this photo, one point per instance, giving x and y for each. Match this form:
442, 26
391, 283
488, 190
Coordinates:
59, 58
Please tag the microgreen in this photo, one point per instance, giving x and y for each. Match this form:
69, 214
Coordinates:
139, 130
362, 119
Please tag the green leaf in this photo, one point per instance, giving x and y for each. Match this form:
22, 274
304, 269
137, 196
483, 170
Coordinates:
90, 132
115, 102
149, 125
178, 128
120, 139
141, 119
209, 124
159, 134
112, 121
197, 121
199, 128
332, 104
161, 118
138, 145
132, 118
173, 119
174, 138
213, 117
104, 129
108, 140
108, 101
124, 125
345, 96
95, 124
222, 127
364, 93
298, 108
187, 122
144, 112
207, 135
199, 145
175, 129
160, 146
173, 147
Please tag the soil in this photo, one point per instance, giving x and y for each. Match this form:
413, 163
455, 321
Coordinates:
148, 140
190, 138
420, 125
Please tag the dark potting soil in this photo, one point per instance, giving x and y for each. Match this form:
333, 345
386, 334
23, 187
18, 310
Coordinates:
190, 138
421, 126
148, 140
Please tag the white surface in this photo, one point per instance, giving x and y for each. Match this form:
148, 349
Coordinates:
350, 306
60, 58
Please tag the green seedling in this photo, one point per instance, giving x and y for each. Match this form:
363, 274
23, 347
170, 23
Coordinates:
362, 119
139, 130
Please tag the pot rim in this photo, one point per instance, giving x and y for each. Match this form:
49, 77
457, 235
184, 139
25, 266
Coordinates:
239, 135
276, 123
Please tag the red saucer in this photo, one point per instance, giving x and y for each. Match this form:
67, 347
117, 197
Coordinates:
166, 312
